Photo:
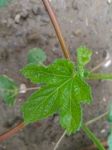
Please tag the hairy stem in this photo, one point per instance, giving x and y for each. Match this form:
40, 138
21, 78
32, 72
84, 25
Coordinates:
57, 28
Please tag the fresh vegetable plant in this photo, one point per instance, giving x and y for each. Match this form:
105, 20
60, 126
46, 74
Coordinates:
64, 88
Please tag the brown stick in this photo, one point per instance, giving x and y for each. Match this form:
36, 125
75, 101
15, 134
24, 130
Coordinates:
11, 132
57, 28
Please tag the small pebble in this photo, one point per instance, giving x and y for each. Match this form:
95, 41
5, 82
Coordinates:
86, 21
24, 14
23, 88
77, 32
17, 18
37, 11
104, 99
103, 131
96, 52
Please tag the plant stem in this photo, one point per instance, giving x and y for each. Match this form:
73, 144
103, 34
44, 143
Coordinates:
96, 118
11, 132
98, 66
92, 137
99, 76
87, 123
59, 141
62, 43
20, 126
57, 28
32, 88
92, 147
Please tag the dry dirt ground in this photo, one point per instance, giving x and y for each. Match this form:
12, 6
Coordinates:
24, 24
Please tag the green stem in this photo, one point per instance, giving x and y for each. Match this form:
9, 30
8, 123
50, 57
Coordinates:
99, 76
92, 137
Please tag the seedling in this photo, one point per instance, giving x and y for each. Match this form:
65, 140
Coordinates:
64, 87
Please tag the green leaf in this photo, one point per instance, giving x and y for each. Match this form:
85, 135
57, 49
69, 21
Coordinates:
99, 76
63, 93
8, 89
53, 73
110, 112
71, 116
37, 56
41, 104
110, 141
94, 139
3, 3
83, 57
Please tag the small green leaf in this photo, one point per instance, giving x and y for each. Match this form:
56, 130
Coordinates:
91, 135
8, 89
110, 112
63, 92
110, 141
3, 3
83, 57
99, 76
36, 56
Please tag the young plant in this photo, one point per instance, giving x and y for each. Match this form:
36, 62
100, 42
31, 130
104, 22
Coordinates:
63, 90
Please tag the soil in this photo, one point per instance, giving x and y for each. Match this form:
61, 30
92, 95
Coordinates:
24, 24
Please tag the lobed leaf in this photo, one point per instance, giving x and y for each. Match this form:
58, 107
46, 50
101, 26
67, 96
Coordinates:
8, 89
59, 70
83, 55
63, 93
